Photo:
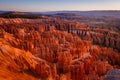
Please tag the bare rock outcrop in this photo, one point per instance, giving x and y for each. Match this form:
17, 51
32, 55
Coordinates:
52, 49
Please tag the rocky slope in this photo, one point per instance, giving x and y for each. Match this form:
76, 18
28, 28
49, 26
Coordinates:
52, 49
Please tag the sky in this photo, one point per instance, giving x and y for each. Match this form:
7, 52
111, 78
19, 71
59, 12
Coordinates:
58, 5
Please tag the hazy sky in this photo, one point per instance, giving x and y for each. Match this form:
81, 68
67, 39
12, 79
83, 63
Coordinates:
53, 5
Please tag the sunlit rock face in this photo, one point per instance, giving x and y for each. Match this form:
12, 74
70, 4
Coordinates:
18, 21
52, 49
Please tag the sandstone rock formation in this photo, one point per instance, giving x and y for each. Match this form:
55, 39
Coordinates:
52, 49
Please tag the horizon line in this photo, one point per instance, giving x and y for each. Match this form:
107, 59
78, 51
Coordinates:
59, 10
